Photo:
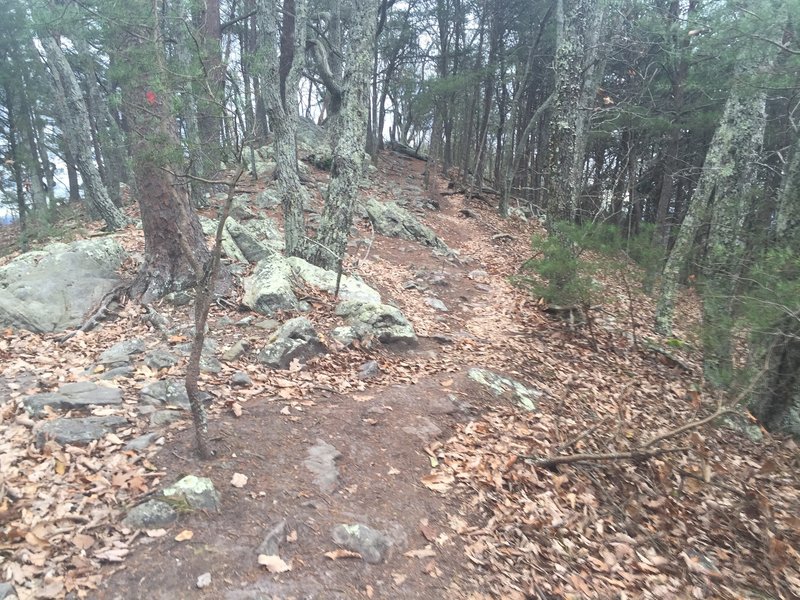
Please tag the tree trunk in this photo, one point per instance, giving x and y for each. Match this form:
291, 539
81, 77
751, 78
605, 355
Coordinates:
175, 248
350, 135
280, 76
76, 131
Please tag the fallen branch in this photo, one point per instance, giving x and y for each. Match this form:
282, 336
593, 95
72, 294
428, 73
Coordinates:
637, 454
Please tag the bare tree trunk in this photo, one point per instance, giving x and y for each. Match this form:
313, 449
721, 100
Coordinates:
76, 131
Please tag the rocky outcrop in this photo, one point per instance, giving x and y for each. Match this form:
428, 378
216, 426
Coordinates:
392, 220
56, 288
269, 288
366, 321
350, 288
296, 339
73, 396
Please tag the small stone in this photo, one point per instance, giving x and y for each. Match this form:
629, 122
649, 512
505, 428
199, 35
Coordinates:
500, 386
180, 298
272, 541
120, 353
236, 350
268, 324
160, 359
372, 545
143, 441
210, 364
246, 322
369, 370
203, 581
161, 418
224, 322
478, 275
241, 379
198, 492
436, 304
117, 372
483, 287
152, 514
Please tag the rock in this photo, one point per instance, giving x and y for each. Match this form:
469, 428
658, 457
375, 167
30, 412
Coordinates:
350, 288
240, 208
72, 396
209, 364
241, 379
162, 418
321, 461
197, 492
179, 298
78, 431
268, 324
245, 322
229, 247
436, 304
439, 405
269, 288
7, 591
313, 145
268, 199
203, 581
120, 353
385, 323
296, 339
251, 248
56, 288
425, 429
741, 424
143, 441
153, 514
160, 359
391, 220
167, 392
483, 287
372, 545
500, 385
236, 350
369, 370
276, 535
117, 372
478, 275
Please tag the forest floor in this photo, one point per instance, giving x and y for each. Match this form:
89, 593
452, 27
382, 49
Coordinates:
428, 457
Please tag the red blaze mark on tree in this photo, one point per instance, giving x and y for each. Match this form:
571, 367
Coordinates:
151, 97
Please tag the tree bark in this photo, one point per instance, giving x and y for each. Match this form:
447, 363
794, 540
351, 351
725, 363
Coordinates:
280, 76
76, 132
175, 248
350, 134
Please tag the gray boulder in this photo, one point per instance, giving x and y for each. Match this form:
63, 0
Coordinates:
71, 396
392, 220
268, 199
350, 288
381, 321
229, 247
269, 288
500, 385
76, 431
55, 288
313, 145
295, 339
248, 240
